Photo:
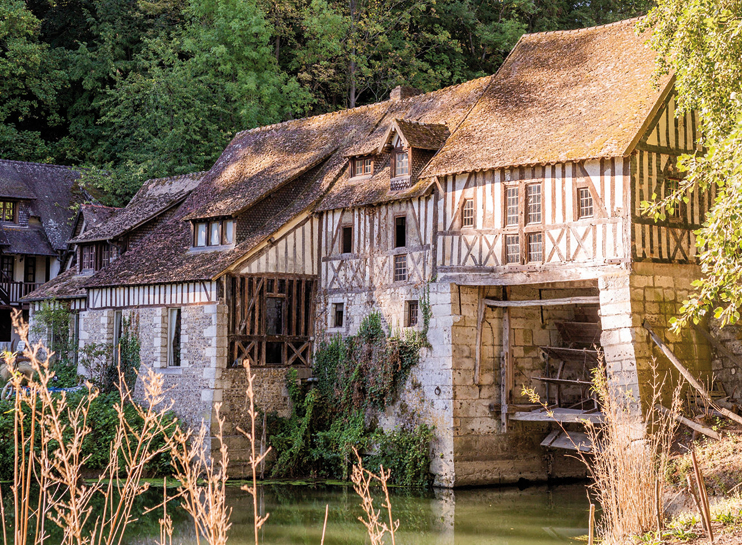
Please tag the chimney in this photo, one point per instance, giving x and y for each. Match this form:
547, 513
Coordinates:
402, 91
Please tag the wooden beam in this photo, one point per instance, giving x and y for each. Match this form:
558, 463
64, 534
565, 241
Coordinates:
692, 425
505, 368
478, 347
690, 378
586, 300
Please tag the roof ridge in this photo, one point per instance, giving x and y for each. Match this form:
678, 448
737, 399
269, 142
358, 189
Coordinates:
101, 206
15, 162
585, 29
174, 176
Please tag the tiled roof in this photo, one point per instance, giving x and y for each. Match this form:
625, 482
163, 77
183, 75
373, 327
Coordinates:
448, 106
96, 214
26, 240
559, 96
430, 136
65, 286
154, 197
53, 190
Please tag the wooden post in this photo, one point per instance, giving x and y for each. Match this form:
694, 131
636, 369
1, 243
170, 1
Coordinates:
591, 527
703, 495
505, 369
478, 347
690, 378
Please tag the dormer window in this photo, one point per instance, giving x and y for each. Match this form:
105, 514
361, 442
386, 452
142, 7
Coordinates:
213, 233
362, 166
401, 163
7, 211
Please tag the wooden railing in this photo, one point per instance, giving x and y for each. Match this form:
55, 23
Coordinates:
12, 292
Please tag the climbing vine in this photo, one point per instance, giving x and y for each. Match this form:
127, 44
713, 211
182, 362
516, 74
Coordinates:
355, 377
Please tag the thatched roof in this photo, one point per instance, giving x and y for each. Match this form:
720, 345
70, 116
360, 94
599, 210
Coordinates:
153, 198
559, 96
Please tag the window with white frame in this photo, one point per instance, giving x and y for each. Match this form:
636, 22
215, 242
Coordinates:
400, 268
512, 249
213, 233
363, 166
535, 248
173, 337
533, 201
584, 203
511, 205
467, 213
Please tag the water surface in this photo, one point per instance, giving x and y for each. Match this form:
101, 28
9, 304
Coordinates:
482, 516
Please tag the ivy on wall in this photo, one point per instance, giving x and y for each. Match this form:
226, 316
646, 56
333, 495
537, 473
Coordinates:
355, 376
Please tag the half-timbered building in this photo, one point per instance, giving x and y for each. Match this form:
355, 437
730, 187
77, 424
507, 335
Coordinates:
510, 204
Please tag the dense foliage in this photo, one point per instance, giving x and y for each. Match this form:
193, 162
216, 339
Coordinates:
147, 88
103, 421
356, 376
701, 42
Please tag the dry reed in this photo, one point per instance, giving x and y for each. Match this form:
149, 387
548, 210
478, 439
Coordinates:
629, 455
363, 480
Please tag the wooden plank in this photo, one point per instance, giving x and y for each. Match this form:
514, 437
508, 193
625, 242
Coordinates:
574, 440
504, 368
690, 378
565, 416
478, 347
692, 425
586, 300
564, 381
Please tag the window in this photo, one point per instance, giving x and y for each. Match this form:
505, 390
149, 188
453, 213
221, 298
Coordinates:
200, 234
535, 248
215, 238
228, 232
274, 312
412, 311
117, 332
401, 163
7, 263
347, 240
338, 312
88, 257
215, 233
511, 197
400, 232
173, 337
29, 269
512, 249
363, 166
671, 186
7, 211
400, 268
467, 213
585, 202
533, 200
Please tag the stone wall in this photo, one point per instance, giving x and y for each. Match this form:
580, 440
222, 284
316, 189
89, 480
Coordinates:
728, 370
484, 453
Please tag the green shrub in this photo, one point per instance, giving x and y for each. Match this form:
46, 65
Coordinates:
355, 376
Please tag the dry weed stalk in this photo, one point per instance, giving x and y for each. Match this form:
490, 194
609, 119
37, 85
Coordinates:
60, 428
629, 455
203, 481
363, 479
255, 461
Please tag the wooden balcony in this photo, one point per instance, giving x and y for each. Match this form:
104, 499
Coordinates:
12, 292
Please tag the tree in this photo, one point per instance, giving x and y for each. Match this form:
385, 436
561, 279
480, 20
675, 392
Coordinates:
29, 83
701, 42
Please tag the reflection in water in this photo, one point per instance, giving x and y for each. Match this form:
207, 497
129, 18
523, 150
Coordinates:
489, 516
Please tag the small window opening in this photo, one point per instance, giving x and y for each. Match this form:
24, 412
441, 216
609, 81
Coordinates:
511, 196
401, 164
274, 353
200, 234
347, 240
228, 232
533, 199
413, 309
512, 249
117, 332
467, 213
535, 248
29, 274
7, 211
400, 232
7, 263
173, 337
338, 312
274, 315
585, 202
400, 268
363, 166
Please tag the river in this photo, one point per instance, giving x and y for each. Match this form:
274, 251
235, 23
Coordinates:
537, 515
